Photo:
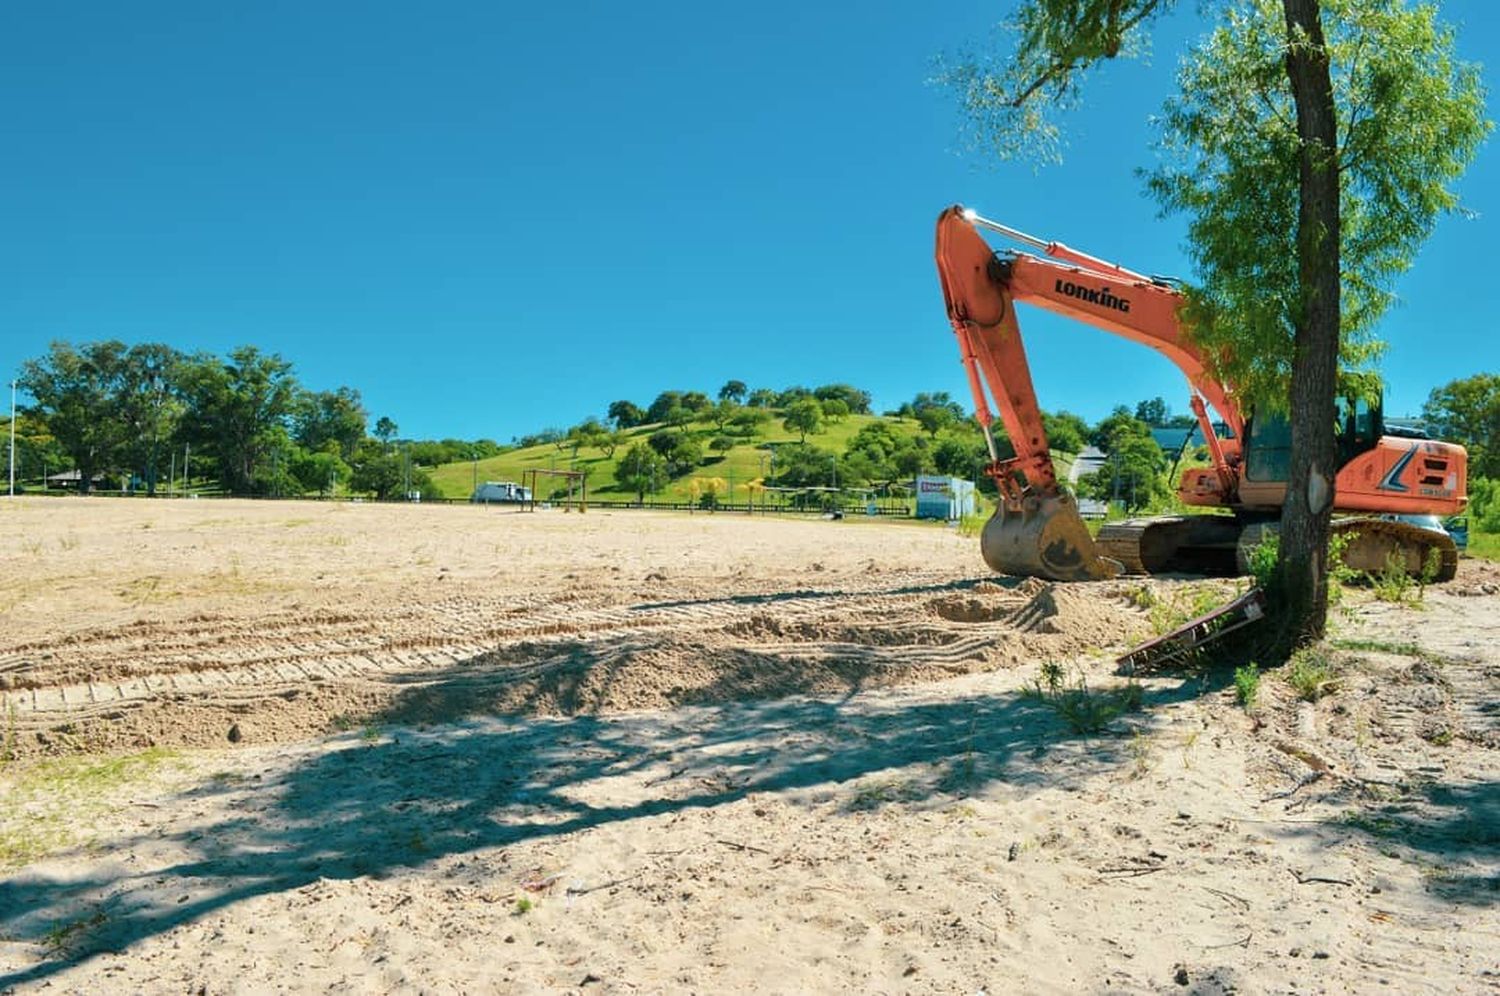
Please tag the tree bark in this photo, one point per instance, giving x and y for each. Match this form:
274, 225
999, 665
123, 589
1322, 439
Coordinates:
1302, 583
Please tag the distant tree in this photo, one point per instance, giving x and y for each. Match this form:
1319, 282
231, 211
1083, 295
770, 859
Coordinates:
541, 438
733, 390
626, 414
793, 394
321, 472
238, 410
77, 390
857, 400
723, 444
748, 421
800, 465
803, 416
678, 416
385, 429
1153, 411
332, 416
150, 407
483, 449
1467, 411
835, 409
961, 455
385, 473
1066, 432
762, 397
610, 441
680, 451
664, 403
641, 469
696, 402
1119, 420
38, 452
1133, 473
723, 413
935, 399
934, 419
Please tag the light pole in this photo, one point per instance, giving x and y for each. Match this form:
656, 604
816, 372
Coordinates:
12, 439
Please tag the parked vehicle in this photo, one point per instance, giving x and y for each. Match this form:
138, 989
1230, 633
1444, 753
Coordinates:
1458, 529
500, 491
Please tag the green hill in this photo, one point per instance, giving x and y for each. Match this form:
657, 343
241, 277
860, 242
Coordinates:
747, 461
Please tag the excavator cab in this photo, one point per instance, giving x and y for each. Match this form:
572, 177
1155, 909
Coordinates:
1268, 451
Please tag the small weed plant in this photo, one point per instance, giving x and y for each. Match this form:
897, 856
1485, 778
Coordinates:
1391, 583
1263, 561
1310, 673
1082, 708
1247, 685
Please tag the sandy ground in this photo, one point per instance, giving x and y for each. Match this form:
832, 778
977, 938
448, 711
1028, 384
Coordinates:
252, 747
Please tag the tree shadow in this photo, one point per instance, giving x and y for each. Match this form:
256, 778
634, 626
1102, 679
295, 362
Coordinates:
412, 796
1452, 829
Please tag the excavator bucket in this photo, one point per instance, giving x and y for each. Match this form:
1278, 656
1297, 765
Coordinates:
1043, 537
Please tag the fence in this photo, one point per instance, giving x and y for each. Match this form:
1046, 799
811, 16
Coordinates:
851, 508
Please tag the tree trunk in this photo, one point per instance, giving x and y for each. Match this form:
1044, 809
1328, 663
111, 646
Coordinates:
1302, 582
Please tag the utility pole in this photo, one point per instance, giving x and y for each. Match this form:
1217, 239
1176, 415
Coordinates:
12, 439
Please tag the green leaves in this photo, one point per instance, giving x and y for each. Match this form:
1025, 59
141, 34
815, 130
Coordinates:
1410, 118
1013, 104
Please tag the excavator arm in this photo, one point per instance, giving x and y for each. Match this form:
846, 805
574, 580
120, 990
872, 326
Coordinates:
1036, 528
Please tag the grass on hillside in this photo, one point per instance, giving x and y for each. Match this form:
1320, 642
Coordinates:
749, 459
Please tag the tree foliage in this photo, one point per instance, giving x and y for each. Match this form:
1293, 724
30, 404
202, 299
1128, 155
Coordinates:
1409, 120
78, 391
641, 469
803, 416
1467, 411
626, 414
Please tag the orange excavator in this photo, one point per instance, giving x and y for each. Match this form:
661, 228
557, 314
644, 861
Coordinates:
1036, 528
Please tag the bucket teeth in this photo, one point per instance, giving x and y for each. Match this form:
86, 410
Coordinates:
1043, 537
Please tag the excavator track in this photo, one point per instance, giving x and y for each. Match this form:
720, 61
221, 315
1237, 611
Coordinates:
1218, 544
1373, 543
1203, 544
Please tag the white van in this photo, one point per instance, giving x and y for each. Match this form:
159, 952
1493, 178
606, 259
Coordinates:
500, 491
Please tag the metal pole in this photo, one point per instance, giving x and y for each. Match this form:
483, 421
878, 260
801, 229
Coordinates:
12, 439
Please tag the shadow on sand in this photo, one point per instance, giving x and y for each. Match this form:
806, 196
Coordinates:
372, 806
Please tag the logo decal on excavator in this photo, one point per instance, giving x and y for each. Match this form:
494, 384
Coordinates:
1102, 296
1392, 479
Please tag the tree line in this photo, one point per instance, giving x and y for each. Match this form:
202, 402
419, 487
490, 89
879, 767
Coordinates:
136, 414
244, 422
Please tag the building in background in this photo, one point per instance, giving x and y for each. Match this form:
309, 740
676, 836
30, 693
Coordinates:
944, 497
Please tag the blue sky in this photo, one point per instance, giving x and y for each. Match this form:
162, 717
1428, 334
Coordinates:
491, 217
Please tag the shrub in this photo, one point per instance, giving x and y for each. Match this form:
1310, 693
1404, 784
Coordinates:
1309, 673
1247, 685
